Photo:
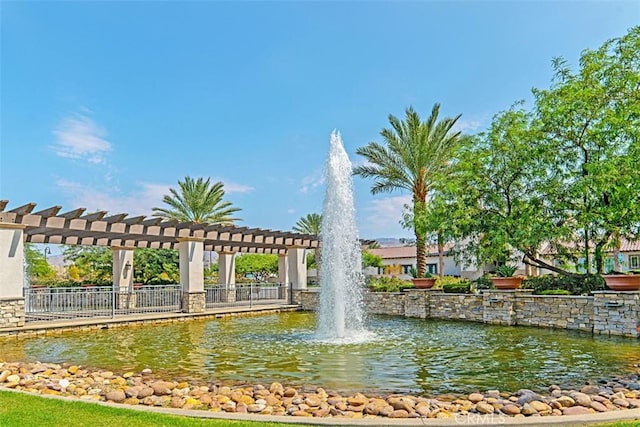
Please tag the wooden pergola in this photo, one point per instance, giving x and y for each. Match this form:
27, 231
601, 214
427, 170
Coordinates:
76, 227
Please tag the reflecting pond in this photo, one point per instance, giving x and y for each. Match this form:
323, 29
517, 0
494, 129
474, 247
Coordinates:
404, 355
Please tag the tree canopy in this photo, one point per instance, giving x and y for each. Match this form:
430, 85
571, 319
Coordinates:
197, 201
564, 176
415, 155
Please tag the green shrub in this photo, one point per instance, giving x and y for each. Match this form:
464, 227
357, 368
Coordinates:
387, 284
505, 270
483, 282
446, 280
574, 285
460, 287
555, 292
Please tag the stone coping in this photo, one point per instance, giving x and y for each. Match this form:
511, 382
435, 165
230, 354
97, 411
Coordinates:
498, 420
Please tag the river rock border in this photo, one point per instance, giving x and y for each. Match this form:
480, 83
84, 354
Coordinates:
145, 388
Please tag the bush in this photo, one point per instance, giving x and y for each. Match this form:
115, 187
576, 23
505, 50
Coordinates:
446, 280
460, 287
387, 284
483, 282
555, 292
574, 285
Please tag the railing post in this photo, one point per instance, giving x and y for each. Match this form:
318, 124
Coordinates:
250, 295
113, 301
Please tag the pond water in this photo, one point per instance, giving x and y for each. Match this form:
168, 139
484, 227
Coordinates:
404, 355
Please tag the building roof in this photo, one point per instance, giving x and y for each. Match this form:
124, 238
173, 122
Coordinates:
625, 246
397, 252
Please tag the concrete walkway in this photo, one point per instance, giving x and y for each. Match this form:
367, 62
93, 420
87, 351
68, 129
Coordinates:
59, 326
461, 420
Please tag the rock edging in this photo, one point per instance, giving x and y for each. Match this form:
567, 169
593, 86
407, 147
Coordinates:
144, 388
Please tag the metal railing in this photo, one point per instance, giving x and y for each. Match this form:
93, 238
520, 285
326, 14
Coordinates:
104, 301
247, 294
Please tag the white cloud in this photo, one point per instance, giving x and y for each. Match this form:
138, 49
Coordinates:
382, 217
291, 211
139, 202
234, 187
469, 125
80, 137
312, 181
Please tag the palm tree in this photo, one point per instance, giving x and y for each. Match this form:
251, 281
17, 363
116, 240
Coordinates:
309, 224
197, 201
415, 155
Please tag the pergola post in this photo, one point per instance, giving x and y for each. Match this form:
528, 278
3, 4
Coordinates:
227, 275
12, 311
297, 267
123, 276
283, 269
192, 274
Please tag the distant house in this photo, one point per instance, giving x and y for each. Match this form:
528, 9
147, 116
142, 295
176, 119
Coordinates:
398, 261
628, 258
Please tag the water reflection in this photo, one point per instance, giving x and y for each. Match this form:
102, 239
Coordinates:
406, 355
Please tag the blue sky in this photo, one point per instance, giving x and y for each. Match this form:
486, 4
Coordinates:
105, 105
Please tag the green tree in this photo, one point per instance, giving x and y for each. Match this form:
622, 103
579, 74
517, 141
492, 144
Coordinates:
197, 201
39, 271
156, 266
495, 201
94, 263
261, 266
415, 156
591, 119
310, 224
371, 260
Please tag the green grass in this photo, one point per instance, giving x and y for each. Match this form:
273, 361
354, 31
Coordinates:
24, 410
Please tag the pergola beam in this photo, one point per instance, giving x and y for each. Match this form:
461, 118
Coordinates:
99, 229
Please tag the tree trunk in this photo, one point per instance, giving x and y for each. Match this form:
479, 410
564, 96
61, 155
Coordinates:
421, 255
440, 255
616, 257
587, 260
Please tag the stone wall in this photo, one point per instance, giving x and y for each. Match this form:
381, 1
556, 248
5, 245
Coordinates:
456, 307
612, 313
555, 311
616, 313
11, 312
385, 303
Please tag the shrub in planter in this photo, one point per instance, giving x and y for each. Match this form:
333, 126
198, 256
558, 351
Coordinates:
483, 282
460, 287
387, 284
446, 280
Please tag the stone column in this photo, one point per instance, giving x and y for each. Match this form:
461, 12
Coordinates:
123, 277
297, 267
283, 269
227, 275
12, 308
192, 275
616, 313
283, 277
417, 303
499, 306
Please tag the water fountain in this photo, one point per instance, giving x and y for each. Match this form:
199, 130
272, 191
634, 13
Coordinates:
341, 313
